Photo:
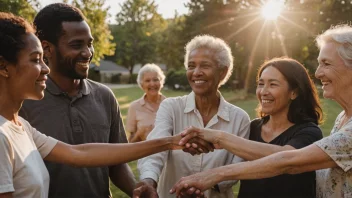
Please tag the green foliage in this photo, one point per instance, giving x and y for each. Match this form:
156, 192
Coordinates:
23, 8
171, 45
137, 32
96, 18
177, 80
253, 40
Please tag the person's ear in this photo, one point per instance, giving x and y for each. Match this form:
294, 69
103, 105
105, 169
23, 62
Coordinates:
3, 67
294, 94
48, 49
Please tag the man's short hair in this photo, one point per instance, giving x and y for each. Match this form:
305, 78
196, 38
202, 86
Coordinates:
48, 21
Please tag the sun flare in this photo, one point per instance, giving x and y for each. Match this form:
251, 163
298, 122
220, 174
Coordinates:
272, 9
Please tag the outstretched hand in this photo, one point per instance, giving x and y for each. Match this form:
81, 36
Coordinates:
195, 184
197, 146
191, 193
145, 189
194, 137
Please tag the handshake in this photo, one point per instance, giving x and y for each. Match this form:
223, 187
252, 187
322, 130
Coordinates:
192, 140
197, 141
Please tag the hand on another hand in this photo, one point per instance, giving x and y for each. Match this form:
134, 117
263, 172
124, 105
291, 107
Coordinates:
146, 188
196, 183
191, 193
194, 137
197, 146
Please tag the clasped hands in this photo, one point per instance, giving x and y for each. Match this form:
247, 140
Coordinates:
195, 141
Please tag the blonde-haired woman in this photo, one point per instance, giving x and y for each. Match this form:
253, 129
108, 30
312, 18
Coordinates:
142, 112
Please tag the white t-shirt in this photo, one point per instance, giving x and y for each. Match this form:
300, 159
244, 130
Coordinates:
22, 170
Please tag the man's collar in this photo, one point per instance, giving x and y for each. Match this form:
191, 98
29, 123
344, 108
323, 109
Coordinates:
54, 89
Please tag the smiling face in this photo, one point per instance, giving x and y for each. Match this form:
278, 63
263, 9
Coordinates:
203, 72
332, 72
151, 83
27, 77
74, 50
273, 92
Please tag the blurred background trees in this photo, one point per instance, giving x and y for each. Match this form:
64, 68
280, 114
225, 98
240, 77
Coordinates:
142, 35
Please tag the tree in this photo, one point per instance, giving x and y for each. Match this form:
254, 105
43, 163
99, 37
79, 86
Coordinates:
227, 20
171, 44
23, 8
254, 40
137, 32
96, 18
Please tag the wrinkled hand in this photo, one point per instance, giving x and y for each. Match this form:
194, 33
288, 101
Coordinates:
145, 189
193, 183
210, 136
196, 146
191, 193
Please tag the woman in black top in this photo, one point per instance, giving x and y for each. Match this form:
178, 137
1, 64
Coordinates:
289, 112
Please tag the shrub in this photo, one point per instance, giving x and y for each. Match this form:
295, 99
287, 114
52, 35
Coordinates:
177, 80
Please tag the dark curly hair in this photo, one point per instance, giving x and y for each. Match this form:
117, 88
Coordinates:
12, 29
306, 107
48, 21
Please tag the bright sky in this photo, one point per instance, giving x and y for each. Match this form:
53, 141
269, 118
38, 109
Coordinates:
165, 7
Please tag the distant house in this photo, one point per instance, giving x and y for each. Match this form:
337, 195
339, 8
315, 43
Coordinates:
109, 72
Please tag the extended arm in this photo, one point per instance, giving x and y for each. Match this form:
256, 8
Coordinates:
97, 154
290, 162
6, 195
244, 148
247, 149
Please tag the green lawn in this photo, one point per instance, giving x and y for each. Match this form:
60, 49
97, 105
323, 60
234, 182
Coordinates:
127, 95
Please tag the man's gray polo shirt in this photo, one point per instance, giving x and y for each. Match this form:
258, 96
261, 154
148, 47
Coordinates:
91, 116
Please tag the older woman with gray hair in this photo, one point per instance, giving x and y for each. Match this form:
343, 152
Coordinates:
209, 64
142, 112
332, 155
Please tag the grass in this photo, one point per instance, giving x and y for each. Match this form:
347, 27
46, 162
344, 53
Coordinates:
127, 95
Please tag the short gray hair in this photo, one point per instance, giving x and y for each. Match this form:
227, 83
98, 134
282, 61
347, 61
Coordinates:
151, 67
222, 52
342, 35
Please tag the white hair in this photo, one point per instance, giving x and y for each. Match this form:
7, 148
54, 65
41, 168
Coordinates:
222, 52
150, 67
342, 35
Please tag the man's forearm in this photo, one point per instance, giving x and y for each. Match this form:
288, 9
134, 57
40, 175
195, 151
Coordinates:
123, 178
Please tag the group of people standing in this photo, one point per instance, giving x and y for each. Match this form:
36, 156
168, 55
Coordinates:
196, 144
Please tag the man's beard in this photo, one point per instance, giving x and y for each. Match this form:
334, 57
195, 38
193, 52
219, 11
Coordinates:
67, 67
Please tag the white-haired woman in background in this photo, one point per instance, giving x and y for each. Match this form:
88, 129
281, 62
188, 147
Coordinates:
142, 112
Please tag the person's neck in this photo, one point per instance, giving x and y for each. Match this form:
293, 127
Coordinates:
207, 105
153, 98
9, 107
66, 84
279, 123
346, 103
